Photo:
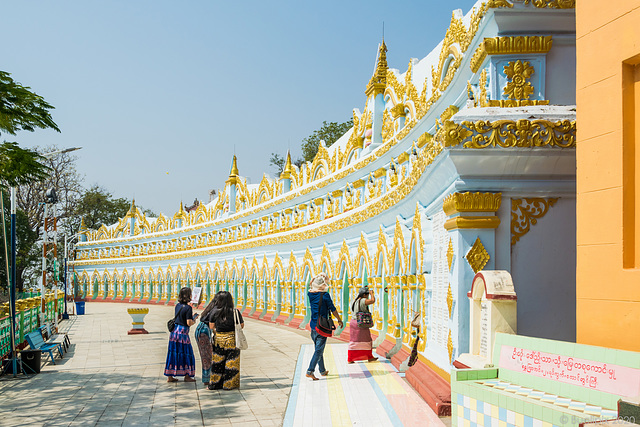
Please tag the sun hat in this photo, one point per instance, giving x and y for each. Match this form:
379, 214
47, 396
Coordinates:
320, 283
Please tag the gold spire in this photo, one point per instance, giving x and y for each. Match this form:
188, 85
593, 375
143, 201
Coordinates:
286, 173
83, 226
233, 175
378, 81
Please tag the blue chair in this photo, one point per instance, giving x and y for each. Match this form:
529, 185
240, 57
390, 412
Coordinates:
35, 341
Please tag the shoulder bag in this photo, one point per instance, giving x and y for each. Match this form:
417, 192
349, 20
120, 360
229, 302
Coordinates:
324, 325
363, 317
241, 340
171, 324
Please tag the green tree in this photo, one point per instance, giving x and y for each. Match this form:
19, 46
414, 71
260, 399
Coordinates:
97, 206
329, 132
21, 109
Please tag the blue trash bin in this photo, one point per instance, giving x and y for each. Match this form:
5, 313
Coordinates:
79, 307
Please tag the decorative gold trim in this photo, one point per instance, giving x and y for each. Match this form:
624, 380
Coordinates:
510, 103
379, 173
517, 73
551, 4
466, 222
471, 202
509, 46
450, 253
449, 301
525, 213
508, 133
449, 112
477, 257
450, 347
397, 111
356, 216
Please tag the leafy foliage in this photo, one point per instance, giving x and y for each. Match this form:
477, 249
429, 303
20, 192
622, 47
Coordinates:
97, 206
27, 251
21, 109
329, 132
19, 166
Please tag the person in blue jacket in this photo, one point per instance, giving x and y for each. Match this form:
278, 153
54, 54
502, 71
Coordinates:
318, 289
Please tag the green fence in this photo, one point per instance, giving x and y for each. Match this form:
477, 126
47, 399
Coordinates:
27, 320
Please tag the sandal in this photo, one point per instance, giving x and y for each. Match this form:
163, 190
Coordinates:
374, 359
189, 380
172, 380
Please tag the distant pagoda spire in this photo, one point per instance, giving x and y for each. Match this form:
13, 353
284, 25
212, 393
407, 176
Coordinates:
233, 174
286, 173
378, 81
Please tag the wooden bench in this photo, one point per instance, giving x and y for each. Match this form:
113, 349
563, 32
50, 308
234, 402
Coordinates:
35, 341
537, 382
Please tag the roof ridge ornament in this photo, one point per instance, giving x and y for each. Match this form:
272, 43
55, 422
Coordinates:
378, 81
234, 173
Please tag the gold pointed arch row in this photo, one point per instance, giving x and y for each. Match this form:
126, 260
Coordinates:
256, 281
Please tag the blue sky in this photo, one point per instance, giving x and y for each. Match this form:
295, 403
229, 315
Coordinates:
160, 93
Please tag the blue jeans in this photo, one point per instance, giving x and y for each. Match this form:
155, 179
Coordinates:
317, 359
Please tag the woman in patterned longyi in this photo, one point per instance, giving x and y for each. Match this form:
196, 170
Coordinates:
225, 366
180, 358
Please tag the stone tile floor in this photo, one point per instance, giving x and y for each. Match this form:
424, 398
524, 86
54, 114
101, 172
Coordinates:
109, 378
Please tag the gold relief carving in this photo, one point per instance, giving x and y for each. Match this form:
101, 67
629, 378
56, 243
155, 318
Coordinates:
477, 257
525, 213
393, 83
498, 3
397, 111
450, 253
379, 173
424, 139
465, 222
425, 157
552, 4
450, 347
451, 134
518, 72
387, 126
509, 45
403, 157
471, 202
449, 112
510, 103
449, 300
507, 133
482, 83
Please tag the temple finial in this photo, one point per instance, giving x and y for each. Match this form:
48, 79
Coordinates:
286, 173
378, 82
234, 173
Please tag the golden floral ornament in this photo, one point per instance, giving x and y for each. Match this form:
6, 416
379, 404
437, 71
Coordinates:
450, 300
450, 253
450, 347
518, 72
526, 212
451, 134
509, 133
477, 257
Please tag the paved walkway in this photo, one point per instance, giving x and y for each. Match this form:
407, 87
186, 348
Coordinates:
110, 378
